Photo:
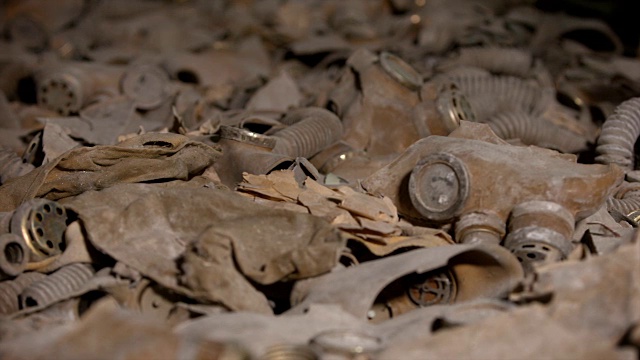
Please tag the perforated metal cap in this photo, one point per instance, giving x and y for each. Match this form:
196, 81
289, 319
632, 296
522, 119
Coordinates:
41, 223
61, 92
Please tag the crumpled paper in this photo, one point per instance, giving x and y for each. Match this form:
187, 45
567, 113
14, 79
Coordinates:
370, 220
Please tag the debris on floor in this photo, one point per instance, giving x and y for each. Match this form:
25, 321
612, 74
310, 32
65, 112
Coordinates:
311, 179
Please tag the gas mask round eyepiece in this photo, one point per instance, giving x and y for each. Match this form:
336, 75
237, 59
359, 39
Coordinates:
399, 70
438, 287
439, 186
454, 106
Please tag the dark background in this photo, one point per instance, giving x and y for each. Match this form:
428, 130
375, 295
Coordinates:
622, 15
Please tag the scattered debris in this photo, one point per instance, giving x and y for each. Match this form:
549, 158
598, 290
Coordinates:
312, 179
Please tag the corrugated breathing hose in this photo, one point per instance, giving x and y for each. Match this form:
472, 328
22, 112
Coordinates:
532, 130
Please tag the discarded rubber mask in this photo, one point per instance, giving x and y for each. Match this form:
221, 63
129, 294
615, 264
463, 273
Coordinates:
245, 62
188, 244
309, 131
474, 146
400, 283
389, 88
444, 180
383, 91
147, 157
246, 151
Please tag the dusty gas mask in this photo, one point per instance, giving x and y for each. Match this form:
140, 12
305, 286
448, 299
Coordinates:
309, 130
396, 284
385, 107
69, 86
479, 182
385, 94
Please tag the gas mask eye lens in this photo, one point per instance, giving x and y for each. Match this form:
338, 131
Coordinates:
402, 72
439, 186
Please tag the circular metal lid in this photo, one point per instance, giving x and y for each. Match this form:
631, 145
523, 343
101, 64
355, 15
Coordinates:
61, 92
439, 186
402, 72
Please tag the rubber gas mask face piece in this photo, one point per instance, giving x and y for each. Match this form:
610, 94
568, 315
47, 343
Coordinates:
481, 183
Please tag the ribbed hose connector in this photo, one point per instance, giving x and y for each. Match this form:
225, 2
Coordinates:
10, 291
489, 95
305, 138
57, 286
629, 203
619, 134
533, 130
11, 165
